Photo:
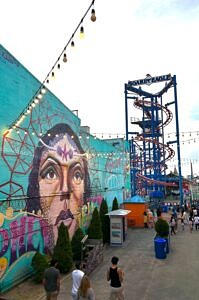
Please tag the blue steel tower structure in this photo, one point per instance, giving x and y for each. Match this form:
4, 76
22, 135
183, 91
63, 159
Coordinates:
149, 154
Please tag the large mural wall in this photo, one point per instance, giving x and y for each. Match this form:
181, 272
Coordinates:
52, 170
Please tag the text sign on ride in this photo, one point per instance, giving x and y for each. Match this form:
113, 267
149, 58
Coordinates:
149, 80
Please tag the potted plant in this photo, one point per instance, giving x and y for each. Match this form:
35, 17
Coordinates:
162, 231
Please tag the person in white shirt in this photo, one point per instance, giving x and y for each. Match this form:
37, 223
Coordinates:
77, 275
196, 222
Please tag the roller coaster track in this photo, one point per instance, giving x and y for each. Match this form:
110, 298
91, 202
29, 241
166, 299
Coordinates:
139, 103
147, 105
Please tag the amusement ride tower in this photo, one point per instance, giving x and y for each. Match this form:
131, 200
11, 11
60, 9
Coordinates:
149, 153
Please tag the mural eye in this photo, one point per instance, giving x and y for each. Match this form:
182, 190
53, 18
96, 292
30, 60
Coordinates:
49, 173
77, 177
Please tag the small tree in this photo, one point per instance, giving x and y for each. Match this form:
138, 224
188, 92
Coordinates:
62, 250
76, 244
115, 205
162, 228
39, 264
94, 229
105, 221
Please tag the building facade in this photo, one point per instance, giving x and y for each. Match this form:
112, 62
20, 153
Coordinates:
52, 170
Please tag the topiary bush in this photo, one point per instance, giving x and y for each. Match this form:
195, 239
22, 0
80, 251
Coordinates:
94, 229
162, 228
39, 263
115, 205
105, 221
62, 251
76, 244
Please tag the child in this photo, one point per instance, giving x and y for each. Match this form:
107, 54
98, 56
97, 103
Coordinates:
145, 220
172, 224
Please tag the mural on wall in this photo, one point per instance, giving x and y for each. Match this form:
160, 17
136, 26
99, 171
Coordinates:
52, 171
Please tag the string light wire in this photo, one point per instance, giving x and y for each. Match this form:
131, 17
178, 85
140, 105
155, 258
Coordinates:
50, 73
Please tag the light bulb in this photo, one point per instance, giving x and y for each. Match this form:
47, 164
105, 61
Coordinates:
93, 16
43, 90
72, 44
39, 96
58, 66
81, 34
65, 58
53, 75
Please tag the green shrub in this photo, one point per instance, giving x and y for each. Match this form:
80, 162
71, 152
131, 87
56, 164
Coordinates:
76, 244
162, 228
115, 205
62, 250
39, 264
94, 229
105, 221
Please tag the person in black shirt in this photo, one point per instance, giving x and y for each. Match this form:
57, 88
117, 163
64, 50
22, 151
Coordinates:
115, 275
51, 281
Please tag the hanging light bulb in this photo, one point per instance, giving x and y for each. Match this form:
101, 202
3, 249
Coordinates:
81, 34
36, 100
65, 58
58, 66
53, 75
72, 44
43, 90
93, 16
39, 96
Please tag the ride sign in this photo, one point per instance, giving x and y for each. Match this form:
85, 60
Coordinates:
149, 80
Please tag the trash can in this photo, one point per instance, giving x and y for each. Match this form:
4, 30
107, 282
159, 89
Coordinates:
160, 248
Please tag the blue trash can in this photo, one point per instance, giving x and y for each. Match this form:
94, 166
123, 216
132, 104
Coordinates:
160, 248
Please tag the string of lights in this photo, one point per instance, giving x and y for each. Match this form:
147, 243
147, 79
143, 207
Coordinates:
41, 91
193, 136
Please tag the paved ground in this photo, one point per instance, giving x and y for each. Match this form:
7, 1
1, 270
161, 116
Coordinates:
146, 277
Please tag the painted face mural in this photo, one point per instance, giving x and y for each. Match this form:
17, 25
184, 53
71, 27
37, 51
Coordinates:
59, 181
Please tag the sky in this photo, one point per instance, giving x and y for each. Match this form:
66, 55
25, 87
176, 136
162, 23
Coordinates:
130, 38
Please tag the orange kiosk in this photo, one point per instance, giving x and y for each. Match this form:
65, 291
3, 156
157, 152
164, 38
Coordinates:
137, 205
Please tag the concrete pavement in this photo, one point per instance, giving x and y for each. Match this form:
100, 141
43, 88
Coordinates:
146, 277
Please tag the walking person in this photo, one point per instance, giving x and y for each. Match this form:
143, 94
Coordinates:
183, 215
145, 220
51, 281
115, 275
77, 275
196, 222
191, 223
85, 290
172, 225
